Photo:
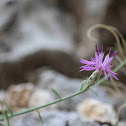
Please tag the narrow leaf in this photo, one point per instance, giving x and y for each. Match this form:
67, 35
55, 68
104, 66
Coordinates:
93, 91
40, 117
82, 85
56, 94
6, 114
2, 123
11, 110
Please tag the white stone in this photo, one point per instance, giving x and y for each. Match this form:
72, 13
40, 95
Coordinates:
18, 95
41, 97
97, 111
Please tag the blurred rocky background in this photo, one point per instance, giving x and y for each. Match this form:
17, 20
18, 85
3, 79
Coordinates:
41, 42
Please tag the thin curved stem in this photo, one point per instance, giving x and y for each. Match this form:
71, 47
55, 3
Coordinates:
109, 28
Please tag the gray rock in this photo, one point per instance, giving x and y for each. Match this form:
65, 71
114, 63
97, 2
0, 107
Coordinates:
8, 15
40, 35
122, 123
52, 118
50, 30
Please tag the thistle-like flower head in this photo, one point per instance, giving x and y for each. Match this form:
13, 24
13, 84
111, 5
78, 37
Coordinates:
100, 64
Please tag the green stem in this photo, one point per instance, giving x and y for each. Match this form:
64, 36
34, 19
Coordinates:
36, 108
80, 92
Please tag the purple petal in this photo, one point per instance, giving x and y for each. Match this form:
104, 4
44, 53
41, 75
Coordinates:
92, 59
89, 69
86, 61
115, 77
101, 55
114, 54
105, 75
106, 60
86, 68
81, 70
81, 66
102, 48
113, 74
96, 57
109, 66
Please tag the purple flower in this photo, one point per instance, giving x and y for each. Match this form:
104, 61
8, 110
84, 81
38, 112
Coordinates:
99, 64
